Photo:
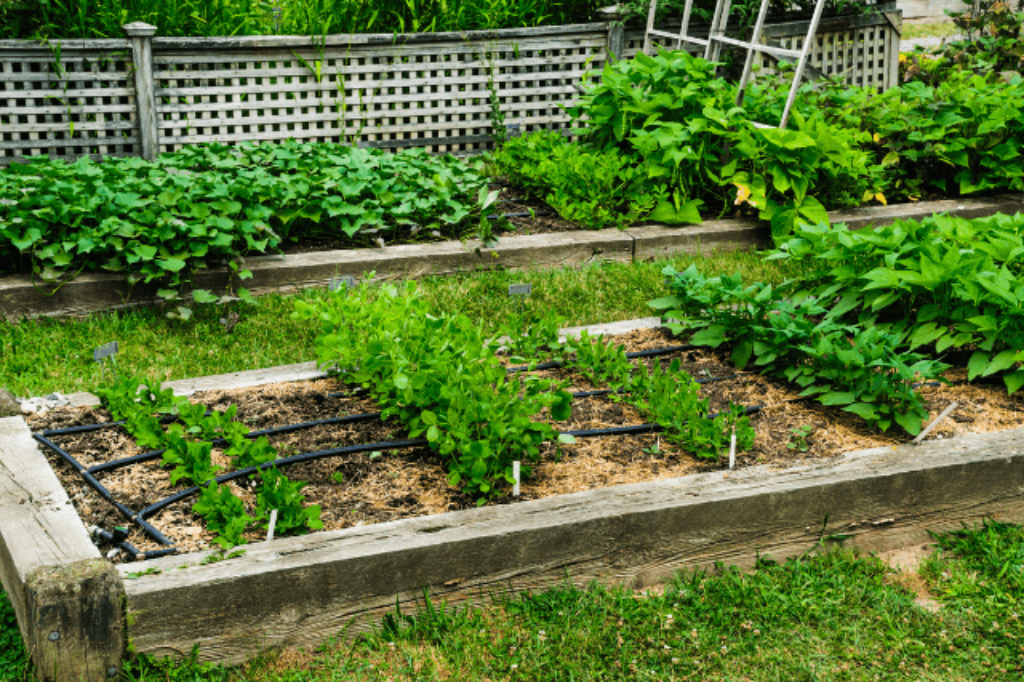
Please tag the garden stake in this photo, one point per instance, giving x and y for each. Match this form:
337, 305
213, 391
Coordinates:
928, 429
522, 291
347, 281
515, 475
732, 449
270, 526
108, 350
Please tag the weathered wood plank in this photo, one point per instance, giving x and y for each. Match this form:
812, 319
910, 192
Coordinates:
298, 591
40, 526
353, 40
67, 599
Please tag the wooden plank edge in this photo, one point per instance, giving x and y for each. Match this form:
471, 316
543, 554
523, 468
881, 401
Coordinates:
67, 599
106, 291
296, 592
307, 371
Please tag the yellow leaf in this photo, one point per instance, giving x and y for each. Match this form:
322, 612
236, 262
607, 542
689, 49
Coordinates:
877, 137
881, 199
868, 196
742, 195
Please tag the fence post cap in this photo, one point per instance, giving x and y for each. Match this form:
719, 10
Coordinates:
139, 29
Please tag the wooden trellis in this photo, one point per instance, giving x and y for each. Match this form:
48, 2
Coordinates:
144, 95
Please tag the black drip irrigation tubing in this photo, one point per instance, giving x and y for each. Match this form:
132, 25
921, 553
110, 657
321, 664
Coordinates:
139, 518
367, 416
105, 494
153, 454
393, 445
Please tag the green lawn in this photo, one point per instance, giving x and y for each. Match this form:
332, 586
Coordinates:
46, 355
832, 617
936, 29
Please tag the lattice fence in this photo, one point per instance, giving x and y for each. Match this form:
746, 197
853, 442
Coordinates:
146, 95
67, 100
433, 93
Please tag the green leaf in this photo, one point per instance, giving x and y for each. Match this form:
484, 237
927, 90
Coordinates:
976, 365
566, 438
741, 353
1004, 360
863, 410
837, 398
171, 264
1014, 380
203, 296
688, 212
909, 422
713, 336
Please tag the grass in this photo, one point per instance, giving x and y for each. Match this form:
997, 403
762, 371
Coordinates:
46, 355
837, 616
937, 29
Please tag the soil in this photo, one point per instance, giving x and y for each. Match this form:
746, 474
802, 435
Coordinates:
374, 487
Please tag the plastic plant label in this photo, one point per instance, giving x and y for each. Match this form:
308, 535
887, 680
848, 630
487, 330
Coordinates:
346, 281
271, 524
515, 475
105, 351
519, 289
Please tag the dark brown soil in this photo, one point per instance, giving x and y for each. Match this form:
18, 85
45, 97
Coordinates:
373, 487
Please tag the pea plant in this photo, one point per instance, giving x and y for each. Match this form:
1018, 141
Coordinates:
669, 398
439, 376
188, 444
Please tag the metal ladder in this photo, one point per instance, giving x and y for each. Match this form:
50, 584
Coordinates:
716, 38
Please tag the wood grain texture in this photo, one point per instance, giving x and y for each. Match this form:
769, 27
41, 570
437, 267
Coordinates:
299, 591
76, 622
38, 525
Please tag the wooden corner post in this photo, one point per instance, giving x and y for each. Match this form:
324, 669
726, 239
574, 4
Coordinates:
141, 35
68, 600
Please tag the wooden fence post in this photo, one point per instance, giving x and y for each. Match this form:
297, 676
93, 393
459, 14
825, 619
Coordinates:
141, 35
616, 31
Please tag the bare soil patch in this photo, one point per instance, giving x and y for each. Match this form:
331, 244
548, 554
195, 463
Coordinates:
370, 487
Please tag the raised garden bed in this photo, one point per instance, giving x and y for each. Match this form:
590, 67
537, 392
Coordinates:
89, 292
605, 510
375, 485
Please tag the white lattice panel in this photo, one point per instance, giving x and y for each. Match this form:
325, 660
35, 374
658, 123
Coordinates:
423, 94
66, 102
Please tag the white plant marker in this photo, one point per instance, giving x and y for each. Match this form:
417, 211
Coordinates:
732, 449
928, 429
273, 522
515, 475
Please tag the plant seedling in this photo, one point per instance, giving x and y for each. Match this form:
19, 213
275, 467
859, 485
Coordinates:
798, 438
654, 449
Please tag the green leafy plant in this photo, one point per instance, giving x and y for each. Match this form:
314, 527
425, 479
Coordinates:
595, 188
160, 222
865, 370
277, 492
798, 438
224, 513
943, 283
439, 375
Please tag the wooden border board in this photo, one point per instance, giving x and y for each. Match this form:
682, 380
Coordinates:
299, 591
